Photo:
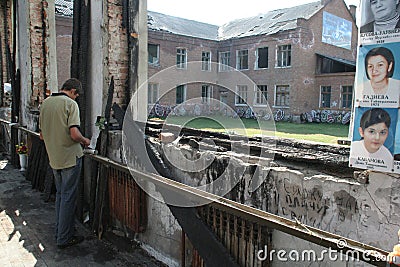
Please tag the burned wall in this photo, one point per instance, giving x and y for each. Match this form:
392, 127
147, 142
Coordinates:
311, 191
364, 209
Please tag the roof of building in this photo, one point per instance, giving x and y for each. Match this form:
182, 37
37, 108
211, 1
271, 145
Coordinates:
64, 7
161, 22
268, 23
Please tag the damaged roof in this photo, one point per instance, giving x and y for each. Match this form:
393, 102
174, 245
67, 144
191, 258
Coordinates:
262, 24
165, 23
269, 23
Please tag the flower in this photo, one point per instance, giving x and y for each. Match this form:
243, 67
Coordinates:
21, 149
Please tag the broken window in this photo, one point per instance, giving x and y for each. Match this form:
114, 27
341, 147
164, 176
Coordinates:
224, 60
181, 58
284, 56
282, 95
180, 94
325, 97
206, 61
241, 95
154, 54
262, 58
347, 96
152, 93
242, 59
261, 95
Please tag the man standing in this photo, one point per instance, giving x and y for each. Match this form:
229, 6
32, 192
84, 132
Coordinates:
59, 128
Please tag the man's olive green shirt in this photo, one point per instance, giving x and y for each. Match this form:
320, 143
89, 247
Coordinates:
58, 113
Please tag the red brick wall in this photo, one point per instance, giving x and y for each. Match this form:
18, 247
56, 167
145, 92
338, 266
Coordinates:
301, 76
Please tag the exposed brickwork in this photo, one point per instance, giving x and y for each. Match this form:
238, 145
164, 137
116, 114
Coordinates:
38, 31
117, 50
3, 68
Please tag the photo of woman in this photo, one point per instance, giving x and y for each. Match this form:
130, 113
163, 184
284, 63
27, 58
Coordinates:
380, 89
383, 15
370, 151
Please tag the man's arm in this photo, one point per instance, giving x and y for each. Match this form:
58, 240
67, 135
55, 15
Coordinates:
78, 137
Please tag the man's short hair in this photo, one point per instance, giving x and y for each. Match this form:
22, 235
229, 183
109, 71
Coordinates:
72, 83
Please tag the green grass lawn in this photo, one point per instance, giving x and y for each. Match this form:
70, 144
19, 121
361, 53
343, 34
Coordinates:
317, 132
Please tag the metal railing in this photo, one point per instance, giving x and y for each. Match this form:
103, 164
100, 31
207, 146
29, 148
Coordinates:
242, 229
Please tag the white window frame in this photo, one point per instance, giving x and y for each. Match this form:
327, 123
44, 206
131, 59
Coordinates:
155, 62
242, 59
287, 105
206, 60
283, 55
256, 63
184, 93
241, 95
181, 58
341, 96
208, 89
152, 93
224, 61
321, 93
261, 99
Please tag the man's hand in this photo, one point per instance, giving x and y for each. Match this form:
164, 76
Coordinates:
78, 137
85, 141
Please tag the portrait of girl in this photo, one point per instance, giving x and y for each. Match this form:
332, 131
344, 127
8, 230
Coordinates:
379, 89
370, 147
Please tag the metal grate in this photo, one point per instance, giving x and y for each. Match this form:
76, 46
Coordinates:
127, 200
243, 238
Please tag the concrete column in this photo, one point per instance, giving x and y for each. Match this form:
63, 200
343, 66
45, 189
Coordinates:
96, 57
24, 63
51, 68
140, 100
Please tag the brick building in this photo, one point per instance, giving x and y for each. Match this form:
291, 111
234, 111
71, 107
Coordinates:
299, 58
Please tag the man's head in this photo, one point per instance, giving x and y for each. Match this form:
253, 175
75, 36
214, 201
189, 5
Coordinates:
72, 87
384, 10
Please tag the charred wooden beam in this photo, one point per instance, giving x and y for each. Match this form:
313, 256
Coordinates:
99, 223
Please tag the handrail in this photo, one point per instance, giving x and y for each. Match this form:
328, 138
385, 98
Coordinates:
367, 253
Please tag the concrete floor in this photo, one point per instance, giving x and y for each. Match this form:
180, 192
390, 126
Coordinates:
27, 227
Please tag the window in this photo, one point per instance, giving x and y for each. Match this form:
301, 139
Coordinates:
347, 96
242, 59
206, 93
181, 58
154, 54
261, 95
224, 60
241, 95
325, 97
262, 58
206, 61
152, 93
282, 95
284, 56
180, 94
